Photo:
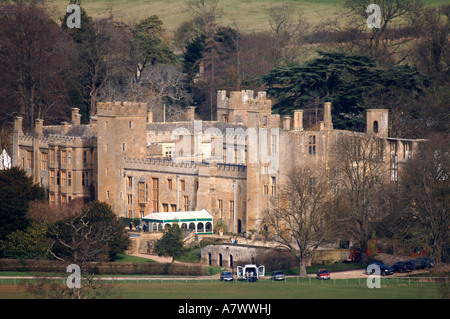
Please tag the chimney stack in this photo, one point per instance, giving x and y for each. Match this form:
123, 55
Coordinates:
286, 122
76, 116
18, 122
191, 113
298, 120
39, 127
328, 122
149, 116
65, 127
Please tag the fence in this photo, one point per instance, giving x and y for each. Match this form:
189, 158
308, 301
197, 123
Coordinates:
385, 281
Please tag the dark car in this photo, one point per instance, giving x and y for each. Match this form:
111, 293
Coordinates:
278, 275
399, 266
410, 265
425, 262
226, 276
402, 266
417, 263
323, 274
384, 269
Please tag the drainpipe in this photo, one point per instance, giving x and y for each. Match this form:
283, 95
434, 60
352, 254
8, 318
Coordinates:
234, 206
178, 193
125, 194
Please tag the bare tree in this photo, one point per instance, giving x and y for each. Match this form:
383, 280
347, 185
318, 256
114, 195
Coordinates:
206, 12
34, 54
390, 42
289, 26
425, 189
93, 234
162, 86
359, 173
431, 54
105, 57
303, 216
90, 288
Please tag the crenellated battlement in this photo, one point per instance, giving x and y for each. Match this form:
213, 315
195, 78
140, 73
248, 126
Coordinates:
159, 162
52, 138
244, 99
121, 108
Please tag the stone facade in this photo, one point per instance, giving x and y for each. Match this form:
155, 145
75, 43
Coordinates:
231, 167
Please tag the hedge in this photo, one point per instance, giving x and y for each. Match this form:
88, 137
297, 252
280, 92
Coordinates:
103, 268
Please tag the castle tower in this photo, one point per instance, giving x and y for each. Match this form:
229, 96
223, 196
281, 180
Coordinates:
121, 133
377, 122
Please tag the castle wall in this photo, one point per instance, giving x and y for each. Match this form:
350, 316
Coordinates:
60, 158
233, 167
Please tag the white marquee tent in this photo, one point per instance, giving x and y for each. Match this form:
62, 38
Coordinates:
199, 221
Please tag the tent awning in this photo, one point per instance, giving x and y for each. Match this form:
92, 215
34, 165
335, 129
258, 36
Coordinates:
172, 217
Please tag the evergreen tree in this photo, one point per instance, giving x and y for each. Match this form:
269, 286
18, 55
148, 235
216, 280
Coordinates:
344, 80
16, 191
171, 244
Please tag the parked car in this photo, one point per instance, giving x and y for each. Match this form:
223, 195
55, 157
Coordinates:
425, 262
399, 266
323, 274
416, 263
410, 265
403, 266
278, 275
384, 269
226, 276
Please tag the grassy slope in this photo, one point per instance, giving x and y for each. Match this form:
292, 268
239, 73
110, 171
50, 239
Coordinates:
250, 15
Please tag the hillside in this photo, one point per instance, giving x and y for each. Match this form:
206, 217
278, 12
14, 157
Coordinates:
250, 15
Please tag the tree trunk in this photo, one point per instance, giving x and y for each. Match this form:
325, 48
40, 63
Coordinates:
302, 272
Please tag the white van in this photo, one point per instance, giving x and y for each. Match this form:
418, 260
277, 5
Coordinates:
250, 272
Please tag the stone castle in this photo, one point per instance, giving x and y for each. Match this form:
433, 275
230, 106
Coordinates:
231, 167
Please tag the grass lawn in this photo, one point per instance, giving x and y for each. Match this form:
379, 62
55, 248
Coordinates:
269, 290
266, 289
131, 259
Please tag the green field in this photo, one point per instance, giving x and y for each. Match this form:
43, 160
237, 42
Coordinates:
269, 290
265, 289
250, 15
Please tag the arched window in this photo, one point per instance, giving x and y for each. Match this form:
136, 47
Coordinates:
375, 126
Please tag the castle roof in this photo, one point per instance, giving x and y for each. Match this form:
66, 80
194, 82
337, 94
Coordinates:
82, 131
